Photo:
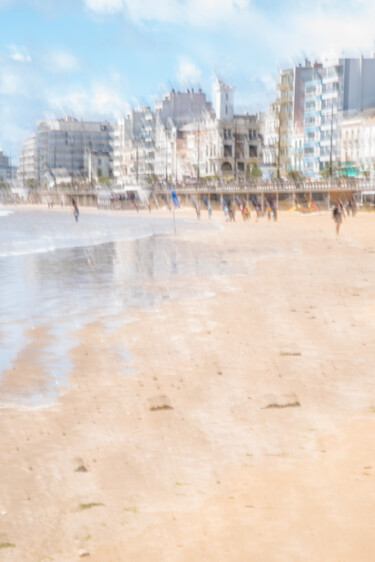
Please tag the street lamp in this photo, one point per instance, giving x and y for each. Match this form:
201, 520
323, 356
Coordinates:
278, 143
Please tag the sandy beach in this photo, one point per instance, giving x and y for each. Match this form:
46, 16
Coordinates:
241, 427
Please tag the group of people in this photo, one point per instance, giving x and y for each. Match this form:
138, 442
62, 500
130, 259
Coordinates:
229, 210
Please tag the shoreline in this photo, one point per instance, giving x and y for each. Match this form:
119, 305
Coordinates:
243, 431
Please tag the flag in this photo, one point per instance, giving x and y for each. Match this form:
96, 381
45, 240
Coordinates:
174, 197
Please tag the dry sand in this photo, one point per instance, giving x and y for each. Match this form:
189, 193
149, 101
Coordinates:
244, 429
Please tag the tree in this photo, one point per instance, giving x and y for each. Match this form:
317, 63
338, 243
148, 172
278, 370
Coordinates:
256, 172
31, 183
294, 175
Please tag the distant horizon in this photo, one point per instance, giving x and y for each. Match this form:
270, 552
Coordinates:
96, 59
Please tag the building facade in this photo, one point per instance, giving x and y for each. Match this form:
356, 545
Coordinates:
60, 147
203, 142
313, 101
27, 164
358, 143
291, 107
134, 146
7, 171
268, 124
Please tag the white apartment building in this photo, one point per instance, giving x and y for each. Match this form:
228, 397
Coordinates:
296, 149
338, 90
269, 131
99, 165
314, 99
358, 142
290, 106
7, 171
27, 164
134, 146
59, 149
179, 116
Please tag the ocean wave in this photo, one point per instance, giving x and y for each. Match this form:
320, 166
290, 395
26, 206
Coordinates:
25, 252
66, 244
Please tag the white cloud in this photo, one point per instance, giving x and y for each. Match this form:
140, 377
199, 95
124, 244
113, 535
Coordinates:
328, 29
92, 103
19, 54
11, 82
188, 73
105, 6
201, 13
62, 61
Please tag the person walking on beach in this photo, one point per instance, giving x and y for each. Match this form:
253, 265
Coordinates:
258, 210
75, 209
274, 209
269, 212
247, 211
243, 212
231, 212
337, 217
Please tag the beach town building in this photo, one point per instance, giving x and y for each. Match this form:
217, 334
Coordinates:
238, 140
173, 159
358, 143
134, 146
348, 88
290, 108
7, 171
60, 147
333, 91
268, 123
312, 124
27, 164
313, 100
99, 165
197, 141
297, 149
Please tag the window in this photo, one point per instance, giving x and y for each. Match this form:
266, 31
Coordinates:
227, 150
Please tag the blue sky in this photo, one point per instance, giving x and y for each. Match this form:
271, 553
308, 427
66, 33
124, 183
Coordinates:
94, 58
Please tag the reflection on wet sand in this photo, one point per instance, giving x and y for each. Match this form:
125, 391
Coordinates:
62, 290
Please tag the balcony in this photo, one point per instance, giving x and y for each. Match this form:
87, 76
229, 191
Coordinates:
283, 86
310, 159
310, 144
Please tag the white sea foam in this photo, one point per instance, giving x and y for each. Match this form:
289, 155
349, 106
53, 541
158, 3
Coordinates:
26, 251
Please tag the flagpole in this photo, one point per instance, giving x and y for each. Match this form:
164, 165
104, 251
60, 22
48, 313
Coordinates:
174, 218
175, 203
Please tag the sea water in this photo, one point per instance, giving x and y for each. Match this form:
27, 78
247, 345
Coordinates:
61, 274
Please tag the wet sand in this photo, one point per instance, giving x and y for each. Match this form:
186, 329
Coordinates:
242, 429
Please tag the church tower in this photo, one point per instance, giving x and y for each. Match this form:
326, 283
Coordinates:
224, 100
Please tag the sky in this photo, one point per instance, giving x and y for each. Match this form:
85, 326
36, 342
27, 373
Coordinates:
94, 59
